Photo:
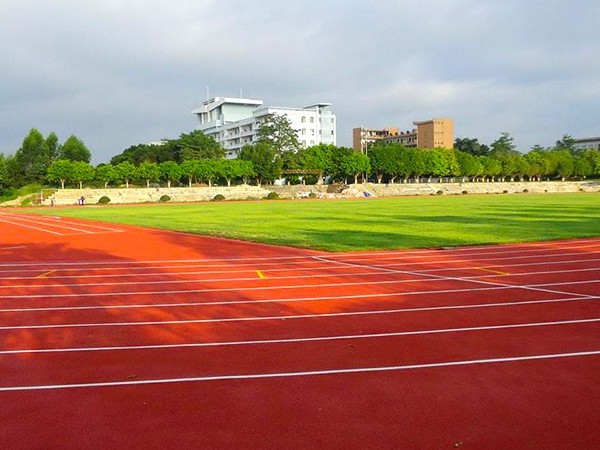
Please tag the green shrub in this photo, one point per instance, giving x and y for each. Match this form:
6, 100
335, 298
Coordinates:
312, 195
272, 196
218, 198
505, 191
29, 200
103, 200
465, 192
164, 198
439, 192
526, 190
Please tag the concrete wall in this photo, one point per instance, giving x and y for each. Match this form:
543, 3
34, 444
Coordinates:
198, 194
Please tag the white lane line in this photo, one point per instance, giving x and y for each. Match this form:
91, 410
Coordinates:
492, 286
30, 227
303, 374
463, 279
22, 220
208, 320
305, 339
53, 222
196, 281
267, 260
335, 270
373, 273
86, 224
388, 295
470, 251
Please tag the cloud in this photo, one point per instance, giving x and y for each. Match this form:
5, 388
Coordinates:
120, 73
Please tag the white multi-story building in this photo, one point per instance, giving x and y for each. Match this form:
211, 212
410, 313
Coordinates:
234, 122
587, 143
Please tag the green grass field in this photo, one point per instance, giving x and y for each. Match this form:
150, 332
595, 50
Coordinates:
365, 224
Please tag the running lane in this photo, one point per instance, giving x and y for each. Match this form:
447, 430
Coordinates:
114, 336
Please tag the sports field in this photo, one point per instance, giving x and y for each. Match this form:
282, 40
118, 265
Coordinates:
371, 224
116, 336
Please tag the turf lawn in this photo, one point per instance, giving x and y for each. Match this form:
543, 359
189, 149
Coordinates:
373, 223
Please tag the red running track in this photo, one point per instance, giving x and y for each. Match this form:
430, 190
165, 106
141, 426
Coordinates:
114, 337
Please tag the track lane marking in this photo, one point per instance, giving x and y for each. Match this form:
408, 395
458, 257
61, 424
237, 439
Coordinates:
491, 287
291, 269
305, 339
303, 374
373, 273
268, 260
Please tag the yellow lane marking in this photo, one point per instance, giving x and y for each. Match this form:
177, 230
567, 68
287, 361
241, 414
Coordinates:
492, 271
260, 274
44, 275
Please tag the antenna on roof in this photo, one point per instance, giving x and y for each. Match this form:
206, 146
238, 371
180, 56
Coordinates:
207, 93
241, 96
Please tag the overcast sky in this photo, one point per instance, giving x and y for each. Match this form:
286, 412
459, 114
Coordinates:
117, 73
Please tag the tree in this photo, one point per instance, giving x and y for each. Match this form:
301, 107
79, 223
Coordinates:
353, 164
169, 171
61, 171
491, 167
266, 163
106, 173
125, 171
140, 153
32, 159
207, 169
53, 146
318, 158
234, 168
383, 160
4, 180
471, 146
503, 145
593, 156
278, 132
189, 169
75, 150
582, 166
566, 142
470, 166
148, 172
196, 145
82, 172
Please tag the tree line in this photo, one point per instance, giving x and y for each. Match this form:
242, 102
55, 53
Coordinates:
196, 158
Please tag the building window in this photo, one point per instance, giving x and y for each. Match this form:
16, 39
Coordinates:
312, 120
303, 119
303, 131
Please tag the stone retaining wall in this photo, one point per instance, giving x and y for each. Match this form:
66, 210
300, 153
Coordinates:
64, 197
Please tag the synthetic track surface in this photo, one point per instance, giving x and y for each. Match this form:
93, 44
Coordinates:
115, 337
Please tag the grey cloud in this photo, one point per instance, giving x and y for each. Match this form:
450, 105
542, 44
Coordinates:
120, 73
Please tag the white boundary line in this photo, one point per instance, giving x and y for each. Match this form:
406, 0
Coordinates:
21, 221
377, 273
270, 271
213, 320
465, 279
331, 256
304, 339
309, 299
493, 286
32, 228
302, 374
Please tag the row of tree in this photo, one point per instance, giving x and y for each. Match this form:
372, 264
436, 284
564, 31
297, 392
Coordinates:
195, 157
389, 163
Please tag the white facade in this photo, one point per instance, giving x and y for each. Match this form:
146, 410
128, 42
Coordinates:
587, 143
234, 122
